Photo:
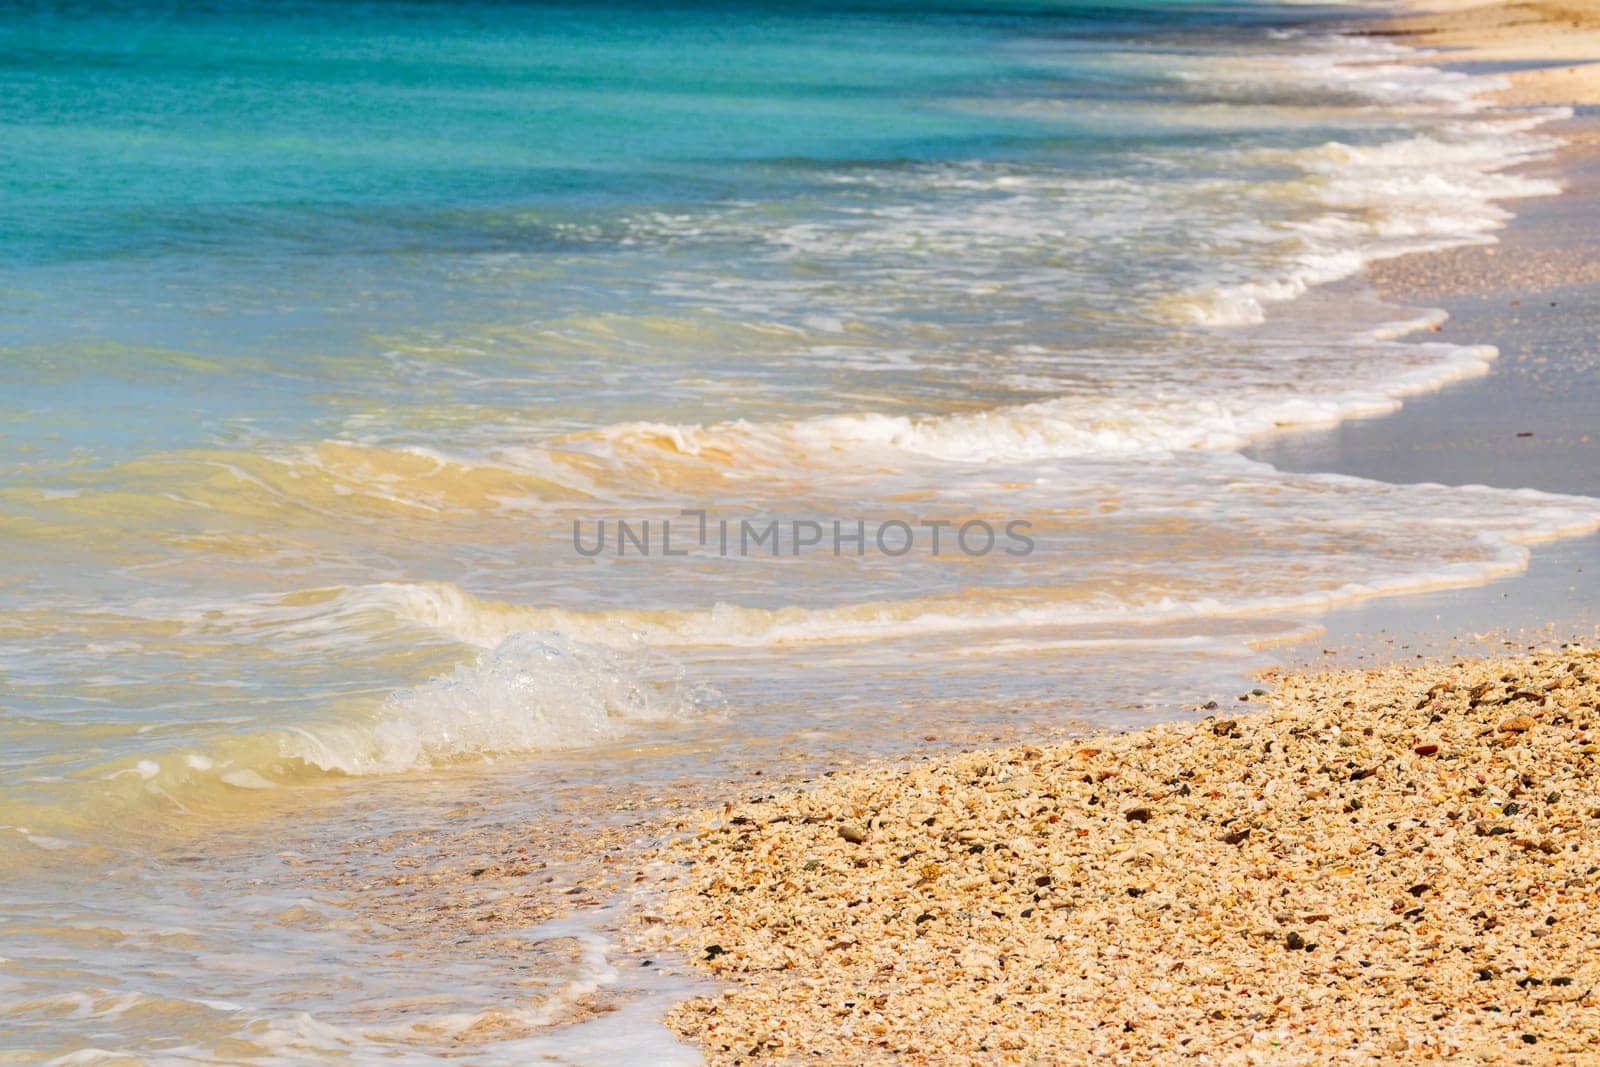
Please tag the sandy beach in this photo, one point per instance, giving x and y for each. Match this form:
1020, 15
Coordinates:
1554, 44
906, 531
1383, 864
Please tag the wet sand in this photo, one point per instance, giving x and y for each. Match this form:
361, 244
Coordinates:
1532, 422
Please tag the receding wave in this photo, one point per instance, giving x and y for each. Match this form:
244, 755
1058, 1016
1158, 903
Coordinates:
1129, 409
1500, 526
531, 692
1051, 429
1373, 202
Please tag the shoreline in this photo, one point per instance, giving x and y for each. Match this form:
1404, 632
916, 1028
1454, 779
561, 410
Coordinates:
1528, 423
600, 898
1081, 809
974, 955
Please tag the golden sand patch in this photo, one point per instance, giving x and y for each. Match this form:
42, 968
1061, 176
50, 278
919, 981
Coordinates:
1557, 39
1384, 866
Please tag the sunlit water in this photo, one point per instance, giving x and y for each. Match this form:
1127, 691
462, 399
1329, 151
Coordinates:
326, 326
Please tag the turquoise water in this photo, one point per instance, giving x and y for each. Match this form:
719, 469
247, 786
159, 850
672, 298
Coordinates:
264, 187
321, 325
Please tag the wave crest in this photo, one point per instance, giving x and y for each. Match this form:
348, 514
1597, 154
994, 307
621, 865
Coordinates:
532, 692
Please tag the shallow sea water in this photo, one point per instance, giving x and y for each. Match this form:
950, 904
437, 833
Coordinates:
327, 327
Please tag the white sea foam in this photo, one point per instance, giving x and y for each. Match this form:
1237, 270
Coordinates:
533, 691
1497, 525
1411, 195
1414, 193
1154, 421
